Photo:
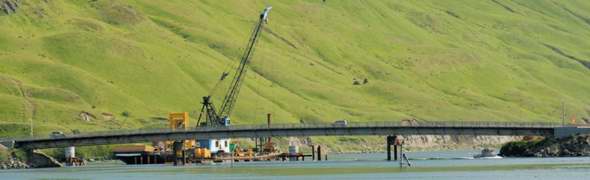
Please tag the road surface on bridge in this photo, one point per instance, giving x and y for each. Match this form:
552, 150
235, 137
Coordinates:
296, 130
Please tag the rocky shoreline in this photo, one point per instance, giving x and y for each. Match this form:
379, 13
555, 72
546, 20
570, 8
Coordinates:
413, 143
36, 159
572, 146
13, 165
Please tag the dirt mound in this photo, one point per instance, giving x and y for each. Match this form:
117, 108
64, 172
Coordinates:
117, 13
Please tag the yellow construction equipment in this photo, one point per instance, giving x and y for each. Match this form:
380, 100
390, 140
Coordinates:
202, 153
180, 121
134, 148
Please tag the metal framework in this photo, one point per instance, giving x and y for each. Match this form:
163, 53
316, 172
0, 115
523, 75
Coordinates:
300, 130
219, 118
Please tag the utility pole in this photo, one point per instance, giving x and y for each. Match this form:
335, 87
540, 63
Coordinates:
562, 113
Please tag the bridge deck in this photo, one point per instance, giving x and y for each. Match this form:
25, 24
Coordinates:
294, 130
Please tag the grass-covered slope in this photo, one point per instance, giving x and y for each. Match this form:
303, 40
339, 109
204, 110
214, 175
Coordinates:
495, 60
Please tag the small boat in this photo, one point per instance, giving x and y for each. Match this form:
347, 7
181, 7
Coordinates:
487, 153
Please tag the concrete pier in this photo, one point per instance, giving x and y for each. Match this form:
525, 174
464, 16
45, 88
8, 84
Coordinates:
37, 159
319, 156
397, 147
70, 152
312, 152
178, 151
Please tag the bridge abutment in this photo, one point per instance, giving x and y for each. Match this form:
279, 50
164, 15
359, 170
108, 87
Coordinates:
568, 131
37, 159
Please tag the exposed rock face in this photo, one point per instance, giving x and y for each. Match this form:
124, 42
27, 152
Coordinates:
454, 142
9, 6
419, 143
577, 145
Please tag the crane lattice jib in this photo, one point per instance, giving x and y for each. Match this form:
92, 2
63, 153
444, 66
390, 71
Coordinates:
232, 94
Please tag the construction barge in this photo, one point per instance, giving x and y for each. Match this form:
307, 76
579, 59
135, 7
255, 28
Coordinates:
146, 154
205, 150
212, 150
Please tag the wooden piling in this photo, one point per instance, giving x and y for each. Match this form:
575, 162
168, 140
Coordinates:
389, 141
395, 152
312, 152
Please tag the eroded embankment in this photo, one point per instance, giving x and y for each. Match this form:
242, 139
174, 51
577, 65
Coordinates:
572, 146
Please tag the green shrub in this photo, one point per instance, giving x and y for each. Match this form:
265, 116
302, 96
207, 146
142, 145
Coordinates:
4, 155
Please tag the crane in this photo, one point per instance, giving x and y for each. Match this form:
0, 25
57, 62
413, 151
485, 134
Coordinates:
220, 117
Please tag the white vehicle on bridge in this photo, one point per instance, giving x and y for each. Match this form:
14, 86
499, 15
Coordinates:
340, 123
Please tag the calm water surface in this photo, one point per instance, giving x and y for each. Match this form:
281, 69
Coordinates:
426, 165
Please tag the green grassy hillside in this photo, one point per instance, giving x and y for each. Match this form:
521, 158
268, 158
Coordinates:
485, 60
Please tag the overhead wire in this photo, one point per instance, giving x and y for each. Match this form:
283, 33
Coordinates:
226, 72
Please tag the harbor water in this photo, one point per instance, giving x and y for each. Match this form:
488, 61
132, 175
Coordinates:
439, 165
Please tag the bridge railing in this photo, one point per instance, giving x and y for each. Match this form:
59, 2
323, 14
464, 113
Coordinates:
393, 124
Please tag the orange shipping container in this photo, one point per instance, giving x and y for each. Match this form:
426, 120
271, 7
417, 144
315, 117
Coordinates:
133, 148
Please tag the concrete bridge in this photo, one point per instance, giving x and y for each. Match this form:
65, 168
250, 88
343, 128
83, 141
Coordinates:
302, 130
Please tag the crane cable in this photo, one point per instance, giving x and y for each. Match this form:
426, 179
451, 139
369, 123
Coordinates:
228, 67
226, 72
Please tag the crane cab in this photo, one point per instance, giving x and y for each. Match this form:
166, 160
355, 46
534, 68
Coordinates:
216, 146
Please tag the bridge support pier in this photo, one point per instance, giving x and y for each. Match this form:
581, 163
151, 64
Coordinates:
319, 156
178, 151
312, 152
393, 141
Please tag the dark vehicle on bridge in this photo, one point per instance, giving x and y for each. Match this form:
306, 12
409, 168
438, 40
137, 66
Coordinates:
57, 134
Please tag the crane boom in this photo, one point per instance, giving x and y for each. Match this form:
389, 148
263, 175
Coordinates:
221, 118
